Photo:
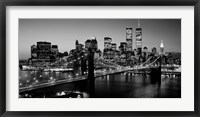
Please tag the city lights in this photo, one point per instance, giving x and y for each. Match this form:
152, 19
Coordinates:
130, 63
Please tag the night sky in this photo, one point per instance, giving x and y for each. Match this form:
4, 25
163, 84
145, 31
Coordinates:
64, 32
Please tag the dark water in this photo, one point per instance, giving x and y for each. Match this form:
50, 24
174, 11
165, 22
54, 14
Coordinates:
122, 85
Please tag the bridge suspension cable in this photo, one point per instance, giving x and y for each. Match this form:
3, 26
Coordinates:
146, 61
153, 61
106, 63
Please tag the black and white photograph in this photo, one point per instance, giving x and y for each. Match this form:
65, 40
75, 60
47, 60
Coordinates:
99, 58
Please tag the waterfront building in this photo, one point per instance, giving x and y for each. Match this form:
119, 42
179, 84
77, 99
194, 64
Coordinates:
33, 51
54, 50
43, 50
41, 54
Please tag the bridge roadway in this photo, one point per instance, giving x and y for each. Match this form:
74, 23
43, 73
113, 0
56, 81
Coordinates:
81, 78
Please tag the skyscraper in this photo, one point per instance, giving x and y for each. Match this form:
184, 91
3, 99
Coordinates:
33, 51
94, 44
145, 53
88, 44
76, 44
54, 49
114, 46
123, 46
154, 51
107, 43
139, 39
129, 39
162, 48
43, 50
108, 52
41, 54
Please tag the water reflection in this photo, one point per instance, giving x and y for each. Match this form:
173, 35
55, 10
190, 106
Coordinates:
121, 85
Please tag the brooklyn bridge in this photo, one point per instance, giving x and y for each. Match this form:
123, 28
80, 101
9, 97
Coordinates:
91, 67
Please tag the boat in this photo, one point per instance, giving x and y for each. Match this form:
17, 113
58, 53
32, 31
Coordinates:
68, 94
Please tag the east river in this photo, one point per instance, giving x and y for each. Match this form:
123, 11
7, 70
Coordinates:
119, 85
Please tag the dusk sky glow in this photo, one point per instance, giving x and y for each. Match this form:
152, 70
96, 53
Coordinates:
64, 33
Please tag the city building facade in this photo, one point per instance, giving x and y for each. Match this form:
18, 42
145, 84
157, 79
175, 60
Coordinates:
43, 54
107, 42
114, 46
129, 39
138, 34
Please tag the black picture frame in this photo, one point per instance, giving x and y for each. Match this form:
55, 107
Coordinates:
4, 3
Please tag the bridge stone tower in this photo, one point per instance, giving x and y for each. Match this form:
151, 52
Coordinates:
90, 64
91, 79
156, 75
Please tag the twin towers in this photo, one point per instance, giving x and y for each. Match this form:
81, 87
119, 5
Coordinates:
138, 40
138, 37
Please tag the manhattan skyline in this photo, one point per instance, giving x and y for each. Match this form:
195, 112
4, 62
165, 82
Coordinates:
64, 33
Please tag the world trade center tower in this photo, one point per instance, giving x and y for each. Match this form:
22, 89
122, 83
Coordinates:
129, 39
139, 39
